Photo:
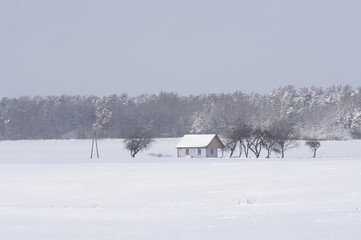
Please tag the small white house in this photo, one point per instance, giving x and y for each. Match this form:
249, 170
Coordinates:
199, 146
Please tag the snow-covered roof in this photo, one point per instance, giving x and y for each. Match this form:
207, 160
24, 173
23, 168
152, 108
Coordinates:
196, 140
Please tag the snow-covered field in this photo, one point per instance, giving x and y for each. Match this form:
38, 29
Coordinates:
53, 190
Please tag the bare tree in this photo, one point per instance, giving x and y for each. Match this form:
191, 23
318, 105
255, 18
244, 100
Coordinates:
246, 144
269, 142
256, 142
231, 144
313, 145
241, 133
245, 132
137, 141
285, 135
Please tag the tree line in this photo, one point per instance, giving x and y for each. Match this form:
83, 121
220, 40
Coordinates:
317, 113
278, 137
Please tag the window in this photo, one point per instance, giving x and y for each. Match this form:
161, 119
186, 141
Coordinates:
187, 152
199, 151
212, 151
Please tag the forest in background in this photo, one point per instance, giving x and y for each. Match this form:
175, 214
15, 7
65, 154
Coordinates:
332, 113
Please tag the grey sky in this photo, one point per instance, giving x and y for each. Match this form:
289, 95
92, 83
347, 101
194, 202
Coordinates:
189, 47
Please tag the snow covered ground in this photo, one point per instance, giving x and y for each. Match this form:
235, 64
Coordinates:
53, 190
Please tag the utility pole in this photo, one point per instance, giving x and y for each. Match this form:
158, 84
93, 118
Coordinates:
96, 145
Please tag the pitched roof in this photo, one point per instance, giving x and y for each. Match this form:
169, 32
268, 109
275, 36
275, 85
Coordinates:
196, 140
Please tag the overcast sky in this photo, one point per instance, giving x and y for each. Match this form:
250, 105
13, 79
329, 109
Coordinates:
89, 47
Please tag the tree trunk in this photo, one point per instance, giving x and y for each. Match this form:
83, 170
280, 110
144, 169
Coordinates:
232, 150
268, 153
240, 149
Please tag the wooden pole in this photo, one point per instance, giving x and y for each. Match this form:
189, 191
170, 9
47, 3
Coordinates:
91, 153
96, 146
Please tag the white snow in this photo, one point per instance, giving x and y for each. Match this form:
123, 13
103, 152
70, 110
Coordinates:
195, 140
53, 190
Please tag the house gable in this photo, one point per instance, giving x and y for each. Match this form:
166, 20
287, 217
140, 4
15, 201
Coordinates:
216, 143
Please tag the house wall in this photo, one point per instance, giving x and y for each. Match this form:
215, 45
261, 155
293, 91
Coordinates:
204, 153
212, 152
193, 152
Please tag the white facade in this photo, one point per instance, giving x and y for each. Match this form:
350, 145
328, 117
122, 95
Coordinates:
195, 152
